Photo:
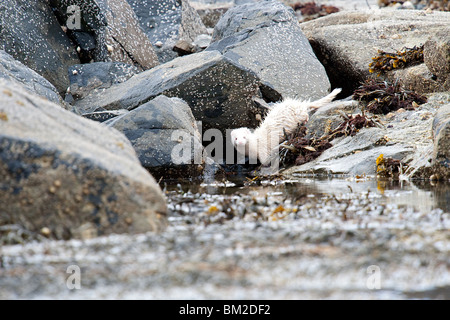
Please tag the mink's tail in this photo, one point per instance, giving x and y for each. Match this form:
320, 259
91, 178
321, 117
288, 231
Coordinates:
325, 100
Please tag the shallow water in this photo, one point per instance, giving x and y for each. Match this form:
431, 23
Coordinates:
270, 239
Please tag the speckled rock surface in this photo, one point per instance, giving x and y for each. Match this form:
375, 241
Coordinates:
266, 38
32, 35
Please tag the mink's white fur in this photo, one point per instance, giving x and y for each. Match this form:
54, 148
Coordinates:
284, 116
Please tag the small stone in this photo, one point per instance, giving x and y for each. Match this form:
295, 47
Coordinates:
46, 232
109, 48
158, 44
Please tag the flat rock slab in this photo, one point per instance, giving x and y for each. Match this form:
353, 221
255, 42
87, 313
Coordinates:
70, 176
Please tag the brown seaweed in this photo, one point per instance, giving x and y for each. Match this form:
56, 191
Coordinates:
387, 61
381, 97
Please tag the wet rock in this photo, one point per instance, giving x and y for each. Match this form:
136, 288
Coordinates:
31, 34
115, 27
401, 135
85, 78
165, 136
13, 70
441, 150
166, 22
70, 175
345, 42
266, 38
218, 91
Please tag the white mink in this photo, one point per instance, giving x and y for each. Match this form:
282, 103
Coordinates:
284, 116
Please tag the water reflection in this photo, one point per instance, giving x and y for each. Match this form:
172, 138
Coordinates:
421, 196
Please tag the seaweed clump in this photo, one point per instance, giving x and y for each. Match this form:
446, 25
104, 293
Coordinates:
298, 149
382, 97
387, 61
352, 125
389, 168
311, 10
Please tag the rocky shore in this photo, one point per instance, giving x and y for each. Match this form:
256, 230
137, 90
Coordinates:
102, 102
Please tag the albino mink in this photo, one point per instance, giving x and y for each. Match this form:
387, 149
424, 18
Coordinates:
284, 115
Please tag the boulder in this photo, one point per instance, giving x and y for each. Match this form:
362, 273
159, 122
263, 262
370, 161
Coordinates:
346, 42
70, 176
402, 135
165, 136
112, 25
14, 71
31, 34
166, 22
218, 91
85, 78
266, 38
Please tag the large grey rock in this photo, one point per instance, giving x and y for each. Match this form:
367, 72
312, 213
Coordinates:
345, 42
160, 128
31, 34
266, 38
118, 36
403, 135
218, 91
72, 176
14, 71
166, 22
98, 75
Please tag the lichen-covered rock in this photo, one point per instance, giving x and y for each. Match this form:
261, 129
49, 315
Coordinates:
70, 176
165, 136
114, 27
166, 22
31, 34
13, 70
346, 42
266, 38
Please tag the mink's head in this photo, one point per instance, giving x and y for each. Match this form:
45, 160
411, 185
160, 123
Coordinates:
240, 137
